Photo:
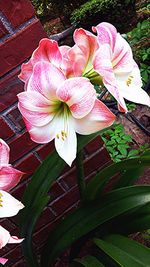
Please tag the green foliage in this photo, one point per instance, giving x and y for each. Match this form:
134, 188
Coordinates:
95, 11
118, 143
124, 251
92, 215
138, 38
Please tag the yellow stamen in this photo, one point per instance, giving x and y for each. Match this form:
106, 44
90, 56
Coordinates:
57, 136
129, 80
1, 200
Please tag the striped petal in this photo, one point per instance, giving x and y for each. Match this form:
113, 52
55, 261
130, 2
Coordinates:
4, 152
47, 50
107, 34
99, 118
9, 177
45, 79
35, 108
9, 206
79, 94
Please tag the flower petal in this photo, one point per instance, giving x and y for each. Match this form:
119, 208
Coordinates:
26, 71
4, 152
45, 79
9, 177
87, 42
130, 87
107, 34
14, 240
4, 237
35, 108
79, 94
44, 134
122, 58
102, 64
9, 205
3, 261
99, 118
47, 50
66, 145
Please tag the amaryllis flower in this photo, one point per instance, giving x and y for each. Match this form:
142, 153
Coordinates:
115, 63
6, 238
9, 176
107, 58
57, 108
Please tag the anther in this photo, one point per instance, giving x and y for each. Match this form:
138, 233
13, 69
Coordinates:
57, 136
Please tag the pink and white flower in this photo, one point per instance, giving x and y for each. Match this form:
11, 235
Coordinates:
6, 238
107, 59
9, 206
57, 108
115, 64
9, 176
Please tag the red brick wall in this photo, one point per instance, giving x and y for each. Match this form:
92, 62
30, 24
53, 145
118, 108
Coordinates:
20, 32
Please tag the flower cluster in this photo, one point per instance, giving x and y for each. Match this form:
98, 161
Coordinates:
59, 98
9, 206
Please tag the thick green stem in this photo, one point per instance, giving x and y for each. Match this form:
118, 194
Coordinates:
80, 173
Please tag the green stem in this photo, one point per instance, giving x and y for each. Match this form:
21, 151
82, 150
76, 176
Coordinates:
80, 173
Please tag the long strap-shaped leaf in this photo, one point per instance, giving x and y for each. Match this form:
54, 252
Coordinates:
92, 215
89, 261
126, 252
35, 196
96, 185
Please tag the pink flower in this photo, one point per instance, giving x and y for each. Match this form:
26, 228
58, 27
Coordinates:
6, 238
57, 108
115, 64
9, 176
107, 58
9, 206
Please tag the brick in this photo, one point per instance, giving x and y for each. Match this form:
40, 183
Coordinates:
94, 145
17, 11
69, 179
40, 236
56, 191
28, 165
8, 92
15, 116
44, 151
14, 253
20, 263
5, 131
46, 217
21, 146
60, 205
18, 192
20, 46
97, 161
3, 30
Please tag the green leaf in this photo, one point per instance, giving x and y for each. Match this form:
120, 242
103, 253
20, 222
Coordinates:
89, 261
90, 216
129, 177
97, 184
124, 251
35, 196
122, 149
133, 153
